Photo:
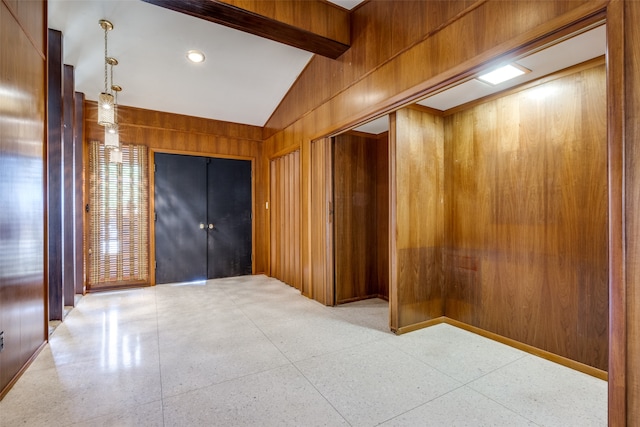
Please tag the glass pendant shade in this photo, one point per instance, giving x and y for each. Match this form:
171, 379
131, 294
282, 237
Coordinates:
115, 156
111, 136
106, 109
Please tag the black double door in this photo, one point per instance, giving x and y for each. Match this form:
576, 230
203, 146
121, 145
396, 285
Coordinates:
203, 218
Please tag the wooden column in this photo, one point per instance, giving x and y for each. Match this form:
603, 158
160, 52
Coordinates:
78, 202
68, 183
416, 162
54, 176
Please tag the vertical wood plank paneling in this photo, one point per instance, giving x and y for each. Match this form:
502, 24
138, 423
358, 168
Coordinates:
78, 187
527, 236
285, 217
22, 186
296, 221
68, 215
54, 176
321, 221
273, 216
418, 234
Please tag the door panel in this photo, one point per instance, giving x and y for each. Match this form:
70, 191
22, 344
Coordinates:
230, 200
322, 277
181, 206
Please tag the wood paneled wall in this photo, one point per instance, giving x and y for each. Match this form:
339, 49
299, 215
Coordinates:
526, 230
284, 212
390, 63
361, 228
417, 217
22, 216
173, 133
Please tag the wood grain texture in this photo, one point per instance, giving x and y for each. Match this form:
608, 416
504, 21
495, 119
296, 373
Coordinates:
371, 78
387, 64
284, 21
179, 134
321, 212
616, 102
284, 212
527, 217
329, 20
382, 214
419, 221
356, 222
632, 207
22, 180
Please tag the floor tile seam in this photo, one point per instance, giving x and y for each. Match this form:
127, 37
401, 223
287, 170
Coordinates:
470, 387
322, 394
457, 379
498, 368
417, 359
423, 403
155, 299
228, 380
267, 336
332, 352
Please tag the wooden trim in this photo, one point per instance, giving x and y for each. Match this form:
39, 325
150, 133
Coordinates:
572, 364
394, 319
201, 154
284, 151
581, 367
617, 256
259, 25
428, 110
420, 325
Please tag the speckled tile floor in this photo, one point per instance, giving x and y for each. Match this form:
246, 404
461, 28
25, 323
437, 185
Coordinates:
251, 351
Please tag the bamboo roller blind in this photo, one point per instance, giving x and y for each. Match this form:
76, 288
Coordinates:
118, 217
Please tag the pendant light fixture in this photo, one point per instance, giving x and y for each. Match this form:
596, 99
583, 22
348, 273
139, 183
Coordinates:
111, 130
106, 102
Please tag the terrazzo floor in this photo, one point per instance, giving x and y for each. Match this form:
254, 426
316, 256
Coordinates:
251, 351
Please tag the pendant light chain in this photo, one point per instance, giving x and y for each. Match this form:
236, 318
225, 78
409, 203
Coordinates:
105, 58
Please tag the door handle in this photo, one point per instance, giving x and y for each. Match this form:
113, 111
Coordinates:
202, 226
211, 226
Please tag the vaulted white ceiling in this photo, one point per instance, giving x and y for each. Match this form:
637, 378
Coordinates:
242, 80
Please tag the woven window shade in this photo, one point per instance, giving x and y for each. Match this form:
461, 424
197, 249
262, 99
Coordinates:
118, 238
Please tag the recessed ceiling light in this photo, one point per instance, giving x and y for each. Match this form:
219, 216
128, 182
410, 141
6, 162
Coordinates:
195, 56
503, 74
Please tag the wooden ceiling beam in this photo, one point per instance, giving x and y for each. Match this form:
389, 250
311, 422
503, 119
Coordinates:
312, 25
